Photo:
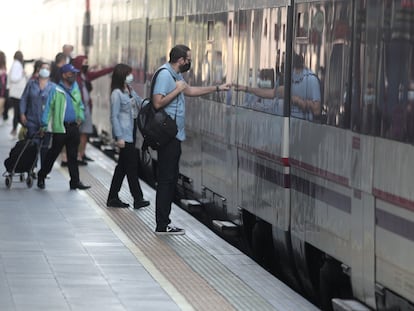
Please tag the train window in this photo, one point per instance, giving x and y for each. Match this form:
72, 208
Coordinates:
210, 30
260, 69
395, 90
321, 63
213, 54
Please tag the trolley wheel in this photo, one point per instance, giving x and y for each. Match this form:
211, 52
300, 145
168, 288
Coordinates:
9, 181
22, 177
29, 182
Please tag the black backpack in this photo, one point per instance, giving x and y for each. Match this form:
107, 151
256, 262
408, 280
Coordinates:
155, 125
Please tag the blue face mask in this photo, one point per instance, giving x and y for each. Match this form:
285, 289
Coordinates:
129, 79
44, 73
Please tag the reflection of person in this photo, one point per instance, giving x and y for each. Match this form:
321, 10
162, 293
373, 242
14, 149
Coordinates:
305, 91
84, 79
62, 115
169, 91
124, 103
32, 103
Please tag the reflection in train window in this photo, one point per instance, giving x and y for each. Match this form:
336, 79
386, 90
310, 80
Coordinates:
261, 70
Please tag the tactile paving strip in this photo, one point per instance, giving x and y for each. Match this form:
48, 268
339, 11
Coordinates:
204, 282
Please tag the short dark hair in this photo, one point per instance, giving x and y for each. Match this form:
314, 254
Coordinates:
177, 52
119, 75
59, 57
298, 61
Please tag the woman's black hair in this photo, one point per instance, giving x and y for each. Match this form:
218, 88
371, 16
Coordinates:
119, 75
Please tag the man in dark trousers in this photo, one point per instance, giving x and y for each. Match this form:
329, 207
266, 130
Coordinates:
63, 114
169, 91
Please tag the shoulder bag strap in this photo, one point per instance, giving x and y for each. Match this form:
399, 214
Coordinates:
154, 78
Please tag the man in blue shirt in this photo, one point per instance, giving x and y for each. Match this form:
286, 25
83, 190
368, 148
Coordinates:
169, 91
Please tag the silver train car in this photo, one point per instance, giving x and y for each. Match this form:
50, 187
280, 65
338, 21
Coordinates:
325, 195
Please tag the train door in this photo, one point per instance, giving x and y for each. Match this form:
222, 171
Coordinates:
321, 147
393, 170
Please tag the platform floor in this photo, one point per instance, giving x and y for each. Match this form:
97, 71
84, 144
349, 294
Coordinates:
64, 250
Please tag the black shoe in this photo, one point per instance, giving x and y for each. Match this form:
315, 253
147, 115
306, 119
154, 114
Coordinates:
86, 158
170, 230
64, 164
141, 203
116, 203
79, 186
82, 162
40, 182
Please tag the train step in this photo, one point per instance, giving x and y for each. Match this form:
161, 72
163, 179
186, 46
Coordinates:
226, 227
191, 206
348, 305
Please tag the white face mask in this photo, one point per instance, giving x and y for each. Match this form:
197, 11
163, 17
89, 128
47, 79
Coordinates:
44, 73
129, 79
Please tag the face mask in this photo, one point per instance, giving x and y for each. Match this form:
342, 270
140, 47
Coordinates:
129, 78
44, 73
85, 68
71, 79
185, 67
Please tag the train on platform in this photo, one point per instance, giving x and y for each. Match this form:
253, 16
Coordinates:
324, 196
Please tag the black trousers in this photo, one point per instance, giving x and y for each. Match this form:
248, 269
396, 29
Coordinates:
70, 140
167, 177
14, 103
127, 165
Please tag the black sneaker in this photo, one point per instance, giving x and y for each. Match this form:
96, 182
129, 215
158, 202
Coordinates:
141, 203
116, 203
170, 230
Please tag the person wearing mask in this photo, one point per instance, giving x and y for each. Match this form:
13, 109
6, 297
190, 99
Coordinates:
36, 67
84, 79
62, 116
124, 110
32, 103
169, 91
3, 86
17, 83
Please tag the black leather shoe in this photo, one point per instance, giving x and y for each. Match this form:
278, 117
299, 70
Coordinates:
40, 182
79, 186
141, 203
82, 163
86, 158
64, 164
116, 203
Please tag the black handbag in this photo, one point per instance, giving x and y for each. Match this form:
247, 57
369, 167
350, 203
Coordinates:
155, 125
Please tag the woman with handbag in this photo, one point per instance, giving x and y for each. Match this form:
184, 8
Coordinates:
124, 110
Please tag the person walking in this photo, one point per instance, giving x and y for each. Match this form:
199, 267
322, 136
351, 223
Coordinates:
84, 79
3, 86
62, 116
17, 83
124, 110
32, 102
169, 91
